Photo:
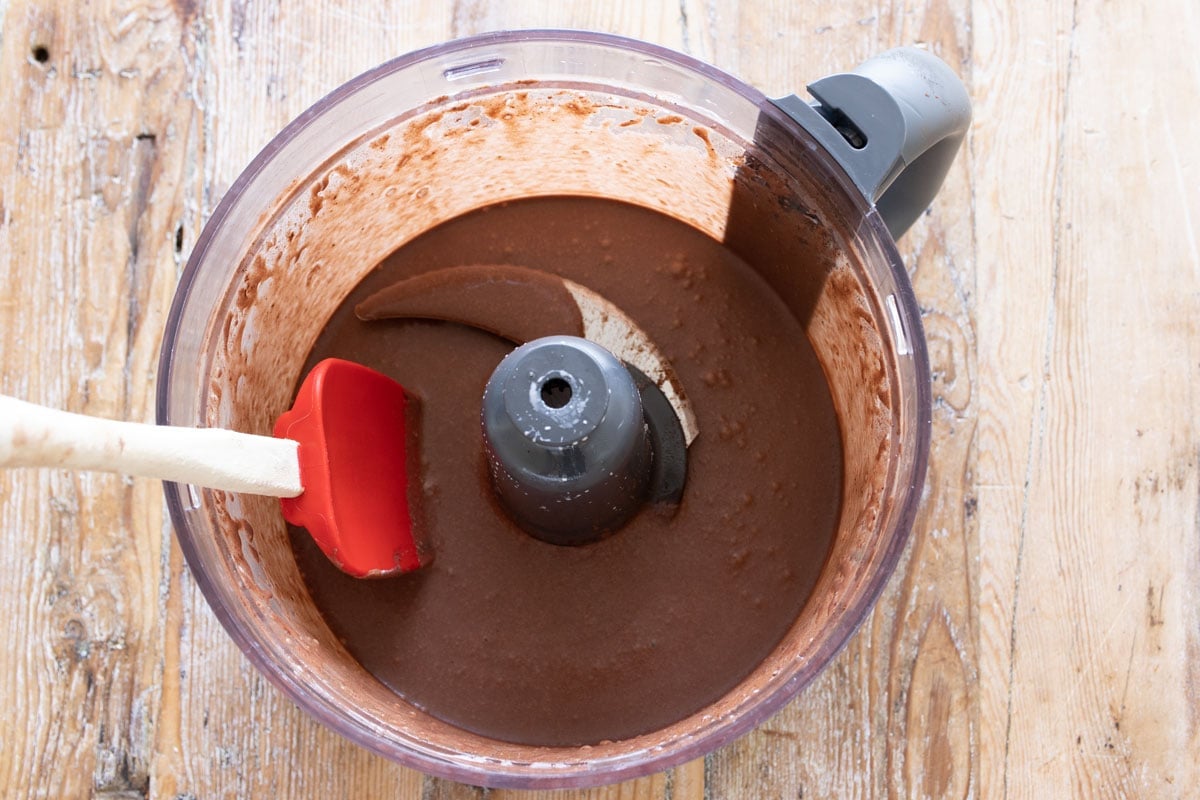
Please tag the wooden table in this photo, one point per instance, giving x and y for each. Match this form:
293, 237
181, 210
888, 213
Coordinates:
1042, 635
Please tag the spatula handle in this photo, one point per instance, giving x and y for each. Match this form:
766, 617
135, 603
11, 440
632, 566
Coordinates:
36, 436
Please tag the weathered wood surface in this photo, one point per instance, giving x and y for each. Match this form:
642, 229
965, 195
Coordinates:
1042, 636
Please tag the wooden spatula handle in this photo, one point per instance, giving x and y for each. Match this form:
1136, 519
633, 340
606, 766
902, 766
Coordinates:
36, 436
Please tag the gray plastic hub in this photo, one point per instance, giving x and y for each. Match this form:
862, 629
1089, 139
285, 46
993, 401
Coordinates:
566, 439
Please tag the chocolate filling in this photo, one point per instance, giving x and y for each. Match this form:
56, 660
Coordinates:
523, 641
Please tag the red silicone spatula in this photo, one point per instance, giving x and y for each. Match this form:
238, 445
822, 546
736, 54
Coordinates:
353, 426
339, 461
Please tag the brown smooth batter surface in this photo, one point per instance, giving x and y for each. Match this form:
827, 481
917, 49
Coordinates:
514, 303
524, 641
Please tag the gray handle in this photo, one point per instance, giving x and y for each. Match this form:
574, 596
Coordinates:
894, 124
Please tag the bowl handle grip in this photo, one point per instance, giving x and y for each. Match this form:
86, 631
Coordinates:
894, 124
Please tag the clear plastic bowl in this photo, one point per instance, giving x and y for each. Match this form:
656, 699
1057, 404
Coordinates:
445, 130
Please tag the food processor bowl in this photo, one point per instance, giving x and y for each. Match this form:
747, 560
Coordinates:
446, 130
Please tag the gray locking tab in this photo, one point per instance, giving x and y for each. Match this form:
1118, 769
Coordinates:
894, 124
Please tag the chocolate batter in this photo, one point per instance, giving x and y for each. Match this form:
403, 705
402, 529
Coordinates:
534, 643
514, 303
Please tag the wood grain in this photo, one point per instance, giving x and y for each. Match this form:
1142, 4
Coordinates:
1042, 635
1088, 412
